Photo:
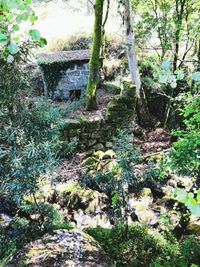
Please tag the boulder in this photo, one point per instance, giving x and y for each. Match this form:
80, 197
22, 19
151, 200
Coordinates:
62, 248
194, 227
71, 195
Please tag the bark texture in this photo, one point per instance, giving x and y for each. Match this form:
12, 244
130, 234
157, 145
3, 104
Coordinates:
94, 63
130, 36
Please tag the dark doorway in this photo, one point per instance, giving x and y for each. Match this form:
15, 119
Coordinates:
75, 94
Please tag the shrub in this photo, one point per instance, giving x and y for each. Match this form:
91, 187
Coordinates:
73, 42
114, 46
7, 246
186, 157
190, 249
136, 246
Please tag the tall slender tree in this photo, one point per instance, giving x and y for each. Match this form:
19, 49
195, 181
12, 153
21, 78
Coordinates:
130, 37
94, 63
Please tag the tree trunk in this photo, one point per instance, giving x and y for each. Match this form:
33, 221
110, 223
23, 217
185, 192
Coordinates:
180, 6
130, 36
94, 63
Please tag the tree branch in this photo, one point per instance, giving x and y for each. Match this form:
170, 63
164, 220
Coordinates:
91, 2
107, 12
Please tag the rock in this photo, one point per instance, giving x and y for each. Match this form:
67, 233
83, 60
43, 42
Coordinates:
71, 195
99, 147
109, 145
139, 131
146, 195
148, 217
194, 227
167, 190
84, 220
172, 183
5, 220
62, 248
185, 182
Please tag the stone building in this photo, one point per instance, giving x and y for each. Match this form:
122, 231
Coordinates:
65, 73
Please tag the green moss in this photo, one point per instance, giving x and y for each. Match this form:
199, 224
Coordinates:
72, 195
94, 63
72, 124
35, 252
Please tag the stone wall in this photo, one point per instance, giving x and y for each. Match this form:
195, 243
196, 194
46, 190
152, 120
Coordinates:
64, 80
74, 78
64, 73
97, 131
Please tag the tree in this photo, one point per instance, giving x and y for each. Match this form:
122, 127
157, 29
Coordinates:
94, 63
130, 36
165, 26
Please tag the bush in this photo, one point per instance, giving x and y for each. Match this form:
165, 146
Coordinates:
190, 249
114, 46
186, 156
7, 246
136, 246
73, 42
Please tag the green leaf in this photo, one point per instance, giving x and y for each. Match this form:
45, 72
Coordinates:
33, 18
109, 154
196, 76
163, 79
42, 42
173, 85
35, 35
15, 27
195, 209
13, 48
10, 59
99, 154
16, 39
166, 65
180, 75
3, 37
24, 16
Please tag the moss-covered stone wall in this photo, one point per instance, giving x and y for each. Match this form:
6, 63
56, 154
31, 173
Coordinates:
98, 130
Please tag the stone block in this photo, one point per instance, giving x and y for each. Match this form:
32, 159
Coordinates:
72, 124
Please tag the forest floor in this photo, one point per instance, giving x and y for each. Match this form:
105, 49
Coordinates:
77, 109
151, 142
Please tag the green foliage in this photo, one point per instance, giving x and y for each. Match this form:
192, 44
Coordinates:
172, 23
47, 218
186, 158
7, 246
110, 172
12, 14
22, 230
190, 250
137, 246
166, 76
30, 142
191, 200
73, 42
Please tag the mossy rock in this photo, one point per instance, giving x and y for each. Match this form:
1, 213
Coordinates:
72, 196
72, 124
62, 248
112, 88
194, 228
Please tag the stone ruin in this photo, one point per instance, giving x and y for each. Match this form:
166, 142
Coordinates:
65, 73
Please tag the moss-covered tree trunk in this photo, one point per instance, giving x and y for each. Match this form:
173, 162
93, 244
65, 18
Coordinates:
94, 63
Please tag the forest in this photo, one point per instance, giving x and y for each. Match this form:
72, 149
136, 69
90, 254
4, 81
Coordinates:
100, 133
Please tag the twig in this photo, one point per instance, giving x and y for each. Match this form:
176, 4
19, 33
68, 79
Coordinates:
155, 153
91, 3
107, 12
